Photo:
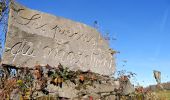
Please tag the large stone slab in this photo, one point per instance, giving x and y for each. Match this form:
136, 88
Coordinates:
35, 37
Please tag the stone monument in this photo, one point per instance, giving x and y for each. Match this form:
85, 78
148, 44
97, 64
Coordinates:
35, 37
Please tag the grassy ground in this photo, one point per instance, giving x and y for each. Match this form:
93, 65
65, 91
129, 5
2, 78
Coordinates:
165, 95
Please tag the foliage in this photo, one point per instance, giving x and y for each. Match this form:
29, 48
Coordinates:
9, 85
27, 83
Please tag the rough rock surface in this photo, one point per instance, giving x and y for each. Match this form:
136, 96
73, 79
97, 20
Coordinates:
69, 91
36, 37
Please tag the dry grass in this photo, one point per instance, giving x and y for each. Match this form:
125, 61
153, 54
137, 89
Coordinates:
164, 95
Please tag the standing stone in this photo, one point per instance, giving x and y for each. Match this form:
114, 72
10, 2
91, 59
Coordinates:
36, 37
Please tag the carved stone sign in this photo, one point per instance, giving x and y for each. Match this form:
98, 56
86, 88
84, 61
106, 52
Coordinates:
36, 37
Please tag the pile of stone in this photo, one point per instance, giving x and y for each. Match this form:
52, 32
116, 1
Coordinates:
54, 82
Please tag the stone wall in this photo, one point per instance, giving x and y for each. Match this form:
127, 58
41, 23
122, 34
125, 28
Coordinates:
35, 37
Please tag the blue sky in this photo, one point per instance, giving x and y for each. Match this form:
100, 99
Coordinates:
141, 27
